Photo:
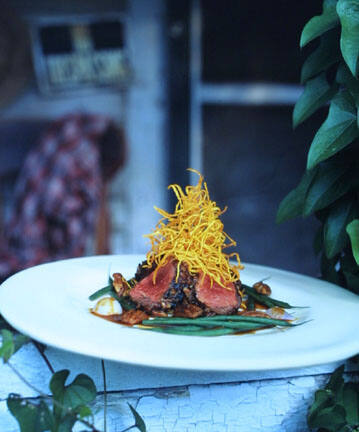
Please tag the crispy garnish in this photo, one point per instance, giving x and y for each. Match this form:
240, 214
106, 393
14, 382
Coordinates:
194, 234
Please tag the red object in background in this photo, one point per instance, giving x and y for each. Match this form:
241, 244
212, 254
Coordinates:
59, 192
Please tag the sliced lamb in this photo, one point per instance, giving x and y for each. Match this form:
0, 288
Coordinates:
223, 301
149, 294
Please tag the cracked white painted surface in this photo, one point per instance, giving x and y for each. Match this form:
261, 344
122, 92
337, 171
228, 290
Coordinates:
177, 401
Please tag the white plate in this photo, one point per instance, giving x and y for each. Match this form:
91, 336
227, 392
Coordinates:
50, 303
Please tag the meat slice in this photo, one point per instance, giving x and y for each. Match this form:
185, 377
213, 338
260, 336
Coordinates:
223, 301
149, 294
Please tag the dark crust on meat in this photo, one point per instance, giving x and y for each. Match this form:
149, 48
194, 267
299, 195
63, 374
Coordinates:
183, 291
143, 271
181, 294
188, 310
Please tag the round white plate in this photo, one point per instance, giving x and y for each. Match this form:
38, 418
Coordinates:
50, 303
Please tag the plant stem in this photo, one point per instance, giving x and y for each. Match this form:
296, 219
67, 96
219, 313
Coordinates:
44, 356
127, 429
104, 396
44, 395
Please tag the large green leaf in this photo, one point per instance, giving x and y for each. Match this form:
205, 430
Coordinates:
31, 417
353, 232
11, 343
80, 392
318, 241
348, 11
320, 24
338, 130
336, 381
334, 179
352, 281
328, 270
351, 403
316, 93
335, 238
322, 399
323, 57
292, 205
346, 79
331, 419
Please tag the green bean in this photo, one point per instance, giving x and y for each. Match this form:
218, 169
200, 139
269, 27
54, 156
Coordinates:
202, 332
254, 319
250, 305
99, 293
187, 328
265, 300
226, 324
219, 319
127, 303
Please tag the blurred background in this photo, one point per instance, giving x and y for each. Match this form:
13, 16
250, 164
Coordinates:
104, 103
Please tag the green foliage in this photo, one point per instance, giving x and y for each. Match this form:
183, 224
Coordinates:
320, 24
348, 12
353, 232
338, 130
336, 407
30, 416
71, 399
11, 343
316, 93
330, 185
327, 54
139, 423
68, 406
335, 238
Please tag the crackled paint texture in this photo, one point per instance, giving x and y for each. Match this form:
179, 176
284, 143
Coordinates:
177, 401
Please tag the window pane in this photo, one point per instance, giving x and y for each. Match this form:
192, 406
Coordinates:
252, 159
245, 40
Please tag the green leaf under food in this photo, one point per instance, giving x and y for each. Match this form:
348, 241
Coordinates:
317, 92
352, 281
101, 292
11, 343
320, 24
327, 54
292, 204
31, 417
139, 423
335, 238
336, 381
80, 392
333, 180
338, 130
348, 12
322, 399
353, 231
331, 418
351, 403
